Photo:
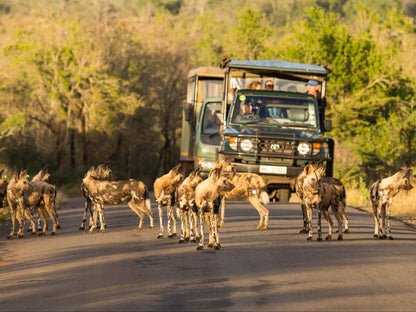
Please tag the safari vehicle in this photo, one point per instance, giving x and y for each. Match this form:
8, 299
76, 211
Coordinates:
283, 128
201, 137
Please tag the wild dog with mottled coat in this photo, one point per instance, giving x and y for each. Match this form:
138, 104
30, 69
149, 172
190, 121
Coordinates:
38, 194
102, 172
207, 195
320, 194
246, 185
45, 176
164, 189
186, 207
3, 190
299, 191
381, 195
134, 192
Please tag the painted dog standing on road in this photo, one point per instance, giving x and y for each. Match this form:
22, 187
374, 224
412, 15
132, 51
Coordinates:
299, 191
381, 195
164, 189
246, 185
320, 195
207, 196
186, 208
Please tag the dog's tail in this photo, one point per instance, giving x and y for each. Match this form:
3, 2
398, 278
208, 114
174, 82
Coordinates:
374, 193
264, 196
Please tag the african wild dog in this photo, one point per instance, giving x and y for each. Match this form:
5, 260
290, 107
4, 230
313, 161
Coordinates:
186, 207
299, 191
321, 194
207, 195
45, 176
39, 194
102, 172
381, 195
134, 192
3, 190
248, 185
164, 191
13, 196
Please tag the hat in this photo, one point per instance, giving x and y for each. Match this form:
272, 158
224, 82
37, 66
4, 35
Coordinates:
313, 83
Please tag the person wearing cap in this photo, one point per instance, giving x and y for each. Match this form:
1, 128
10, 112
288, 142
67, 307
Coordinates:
313, 87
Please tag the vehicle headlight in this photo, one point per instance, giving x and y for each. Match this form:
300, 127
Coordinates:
246, 145
303, 148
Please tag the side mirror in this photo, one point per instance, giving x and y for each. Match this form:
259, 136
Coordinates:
188, 109
327, 125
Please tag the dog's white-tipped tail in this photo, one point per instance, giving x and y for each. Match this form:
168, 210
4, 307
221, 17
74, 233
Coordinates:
148, 204
264, 197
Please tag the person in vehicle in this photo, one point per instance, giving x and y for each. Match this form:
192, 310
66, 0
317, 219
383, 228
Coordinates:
254, 85
246, 112
268, 85
313, 87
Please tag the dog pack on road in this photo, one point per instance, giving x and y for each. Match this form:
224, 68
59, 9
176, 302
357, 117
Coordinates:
195, 200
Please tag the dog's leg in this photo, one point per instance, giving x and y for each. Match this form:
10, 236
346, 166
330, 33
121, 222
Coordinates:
50, 208
171, 217
13, 211
344, 217
319, 213
376, 221
388, 211
304, 230
182, 216
339, 220
193, 215
262, 211
95, 217
310, 231
21, 219
330, 223
84, 216
209, 218
160, 209
214, 228
29, 216
382, 221
145, 207
201, 222
44, 217
222, 211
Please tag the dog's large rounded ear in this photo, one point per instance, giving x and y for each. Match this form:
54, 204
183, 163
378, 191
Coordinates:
308, 169
215, 173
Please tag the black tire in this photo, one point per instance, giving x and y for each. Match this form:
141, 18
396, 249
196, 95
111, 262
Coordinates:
284, 195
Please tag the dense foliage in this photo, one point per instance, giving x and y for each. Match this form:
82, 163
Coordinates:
83, 83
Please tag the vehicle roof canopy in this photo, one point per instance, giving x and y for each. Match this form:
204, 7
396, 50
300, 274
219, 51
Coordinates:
281, 69
209, 71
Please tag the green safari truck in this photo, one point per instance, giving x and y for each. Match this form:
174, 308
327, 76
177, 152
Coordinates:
285, 127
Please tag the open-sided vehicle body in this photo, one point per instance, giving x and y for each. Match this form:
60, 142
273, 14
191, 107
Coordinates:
284, 128
201, 139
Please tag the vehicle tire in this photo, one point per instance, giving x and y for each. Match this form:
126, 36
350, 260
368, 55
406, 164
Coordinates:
284, 195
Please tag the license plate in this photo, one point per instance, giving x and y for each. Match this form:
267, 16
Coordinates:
273, 169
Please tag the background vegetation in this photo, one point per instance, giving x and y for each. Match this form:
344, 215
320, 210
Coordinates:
87, 81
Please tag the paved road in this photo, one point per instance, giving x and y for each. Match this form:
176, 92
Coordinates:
267, 270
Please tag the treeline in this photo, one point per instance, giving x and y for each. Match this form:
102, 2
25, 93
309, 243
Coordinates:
83, 83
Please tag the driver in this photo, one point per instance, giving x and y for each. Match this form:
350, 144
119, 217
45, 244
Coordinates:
246, 112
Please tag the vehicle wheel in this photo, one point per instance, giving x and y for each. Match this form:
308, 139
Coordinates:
284, 195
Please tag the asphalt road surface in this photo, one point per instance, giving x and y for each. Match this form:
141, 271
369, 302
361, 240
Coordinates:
255, 270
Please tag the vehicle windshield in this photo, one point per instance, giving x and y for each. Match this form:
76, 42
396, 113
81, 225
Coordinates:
284, 111
210, 123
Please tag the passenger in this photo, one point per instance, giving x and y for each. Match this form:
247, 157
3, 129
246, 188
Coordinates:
231, 93
268, 85
313, 88
254, 85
